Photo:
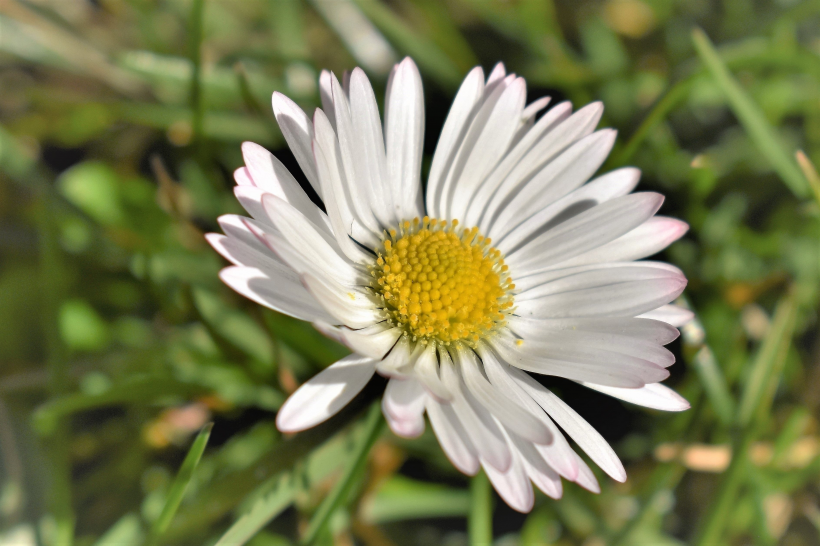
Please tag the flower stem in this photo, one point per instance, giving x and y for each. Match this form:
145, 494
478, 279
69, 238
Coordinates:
481, 512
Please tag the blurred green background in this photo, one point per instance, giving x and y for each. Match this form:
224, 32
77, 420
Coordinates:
120, 125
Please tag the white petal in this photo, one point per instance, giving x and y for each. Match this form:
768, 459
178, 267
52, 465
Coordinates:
578, 429
243, 177
498, 375
589, 229
639, 328
455, 127
326, 95
559, 455
426, 370
339, 209
307, 250
452, 437
399, 361
403, 406
404, 138
505, 409
654, 395
598, 295
374, 345
513, 485
477, 122
488, 188
356, 186
490, 134
567, 279
486, 435
586, 478
497, 74
276, 293
239, 228
614, 184
565, 359
557, 452
671, 314
406, 429
240, 253
346, 305
371, 168
542, 474
563, 174
250, 197
534, 107
568, 131
298, 132
325, 394
603, 342
643, 241
329, 331
271, 176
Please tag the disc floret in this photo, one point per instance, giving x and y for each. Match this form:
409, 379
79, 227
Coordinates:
441, 282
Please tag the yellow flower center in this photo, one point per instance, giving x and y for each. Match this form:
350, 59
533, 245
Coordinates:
441, 282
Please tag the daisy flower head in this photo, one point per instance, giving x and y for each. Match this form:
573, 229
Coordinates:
507, 263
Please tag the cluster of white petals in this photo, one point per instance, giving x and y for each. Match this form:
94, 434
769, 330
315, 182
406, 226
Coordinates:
584, 308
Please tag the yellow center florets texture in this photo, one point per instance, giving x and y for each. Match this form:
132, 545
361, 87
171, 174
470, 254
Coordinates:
442, 283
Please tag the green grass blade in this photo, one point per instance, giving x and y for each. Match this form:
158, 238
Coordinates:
287, 19
426, 53
760, 131
195, 36
718, 512
262, 512
810, 171
755, 403
714, 384
370, 432
180, 484
770, 359
480, 521
676, 94
362, 39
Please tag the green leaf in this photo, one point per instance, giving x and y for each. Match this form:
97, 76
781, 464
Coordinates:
93, 187
180, 484
81, 327
401, 498
760, 131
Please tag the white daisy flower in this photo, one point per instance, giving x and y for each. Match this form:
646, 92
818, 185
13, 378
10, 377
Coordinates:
508, 263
